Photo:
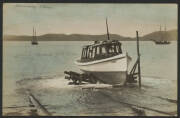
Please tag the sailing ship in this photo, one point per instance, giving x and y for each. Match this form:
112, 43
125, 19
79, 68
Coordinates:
162, 35
105, 61
34, 38
162, 42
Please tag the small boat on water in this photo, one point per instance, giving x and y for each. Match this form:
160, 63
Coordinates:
34, 38
105, 61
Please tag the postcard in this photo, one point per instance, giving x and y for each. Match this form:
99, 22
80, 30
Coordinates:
84, 59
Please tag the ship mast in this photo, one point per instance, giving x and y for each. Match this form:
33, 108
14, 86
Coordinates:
107, 29
164, 36
160, 33
165, 28
33, 34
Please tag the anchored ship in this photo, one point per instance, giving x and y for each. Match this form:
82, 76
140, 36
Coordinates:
162, 42
34, 38
162, 35
105, 61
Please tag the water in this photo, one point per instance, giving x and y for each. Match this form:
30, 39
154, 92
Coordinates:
40, 68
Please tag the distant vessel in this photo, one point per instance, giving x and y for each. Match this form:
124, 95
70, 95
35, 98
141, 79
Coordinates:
105, 61
162, 35
162, 42
34, 38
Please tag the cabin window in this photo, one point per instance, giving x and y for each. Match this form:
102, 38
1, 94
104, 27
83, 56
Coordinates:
82, 55
86, 52
90, 52
110, 49
119, 46
103, 50
115, 49
93, 52
100, 50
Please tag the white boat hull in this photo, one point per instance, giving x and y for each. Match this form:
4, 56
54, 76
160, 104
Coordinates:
110, 77
111, 70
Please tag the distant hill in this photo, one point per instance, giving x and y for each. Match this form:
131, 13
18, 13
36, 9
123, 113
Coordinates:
64, 37
169, 35
161, 35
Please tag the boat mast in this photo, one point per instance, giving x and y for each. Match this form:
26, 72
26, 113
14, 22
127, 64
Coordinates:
164, 34
107, 29
160, 33
33, 34
160, 28
165, 28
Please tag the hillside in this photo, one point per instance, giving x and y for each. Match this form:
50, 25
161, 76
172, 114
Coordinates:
169, 35
157, 36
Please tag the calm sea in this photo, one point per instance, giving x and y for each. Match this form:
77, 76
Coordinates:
40, 68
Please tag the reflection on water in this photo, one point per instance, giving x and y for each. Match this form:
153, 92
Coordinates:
40, 69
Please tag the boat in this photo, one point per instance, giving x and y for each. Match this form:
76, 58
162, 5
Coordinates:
162, 35
34, 38
105, 61
162, 42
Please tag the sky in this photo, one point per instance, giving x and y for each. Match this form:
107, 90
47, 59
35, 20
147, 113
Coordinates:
84, 18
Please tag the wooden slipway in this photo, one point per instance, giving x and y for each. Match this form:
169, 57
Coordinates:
41, 110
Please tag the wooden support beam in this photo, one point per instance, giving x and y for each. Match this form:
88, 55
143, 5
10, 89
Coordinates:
139, 68
134, 67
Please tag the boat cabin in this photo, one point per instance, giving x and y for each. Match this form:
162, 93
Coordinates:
100, 50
